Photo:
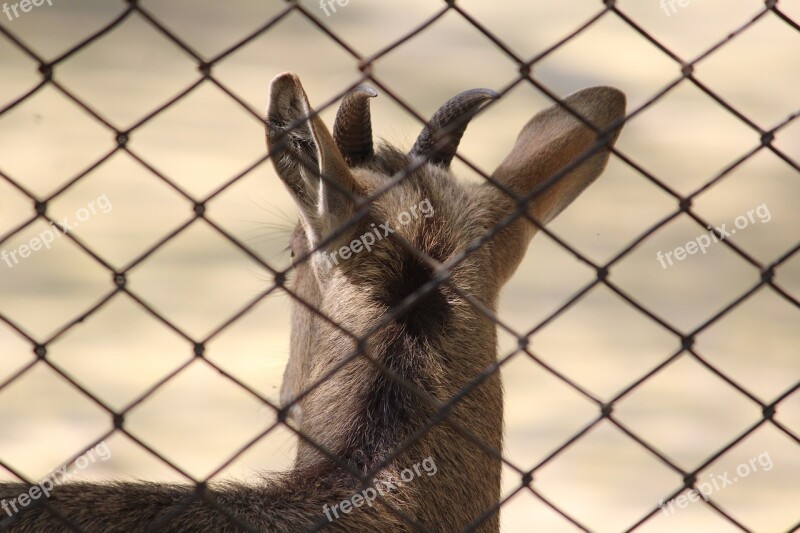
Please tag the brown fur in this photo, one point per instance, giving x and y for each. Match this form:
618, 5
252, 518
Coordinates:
383, 410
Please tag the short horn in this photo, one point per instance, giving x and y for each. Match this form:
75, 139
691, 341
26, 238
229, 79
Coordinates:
352, 129
439, 139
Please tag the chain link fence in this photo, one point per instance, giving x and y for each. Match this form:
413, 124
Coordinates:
521, 477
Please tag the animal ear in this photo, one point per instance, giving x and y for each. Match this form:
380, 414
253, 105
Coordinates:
559, 153
307, 159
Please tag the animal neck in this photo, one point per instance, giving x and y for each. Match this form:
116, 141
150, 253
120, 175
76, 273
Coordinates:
399, 407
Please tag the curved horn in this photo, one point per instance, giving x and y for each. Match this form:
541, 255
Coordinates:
449, 121
352, 129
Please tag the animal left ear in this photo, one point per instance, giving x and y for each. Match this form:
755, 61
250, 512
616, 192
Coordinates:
307, 160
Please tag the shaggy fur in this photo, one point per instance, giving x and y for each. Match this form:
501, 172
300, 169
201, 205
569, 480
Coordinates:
398, 398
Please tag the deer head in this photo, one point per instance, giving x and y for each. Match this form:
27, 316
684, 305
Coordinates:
389, 250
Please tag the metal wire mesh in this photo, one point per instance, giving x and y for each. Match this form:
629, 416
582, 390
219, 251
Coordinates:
48, 70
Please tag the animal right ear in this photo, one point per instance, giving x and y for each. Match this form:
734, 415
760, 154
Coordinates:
561, 155
307, 160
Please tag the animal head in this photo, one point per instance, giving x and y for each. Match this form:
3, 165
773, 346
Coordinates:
380, 229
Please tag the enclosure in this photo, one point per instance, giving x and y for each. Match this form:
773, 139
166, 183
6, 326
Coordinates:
661, 309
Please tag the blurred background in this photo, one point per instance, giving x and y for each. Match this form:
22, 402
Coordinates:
703, 135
